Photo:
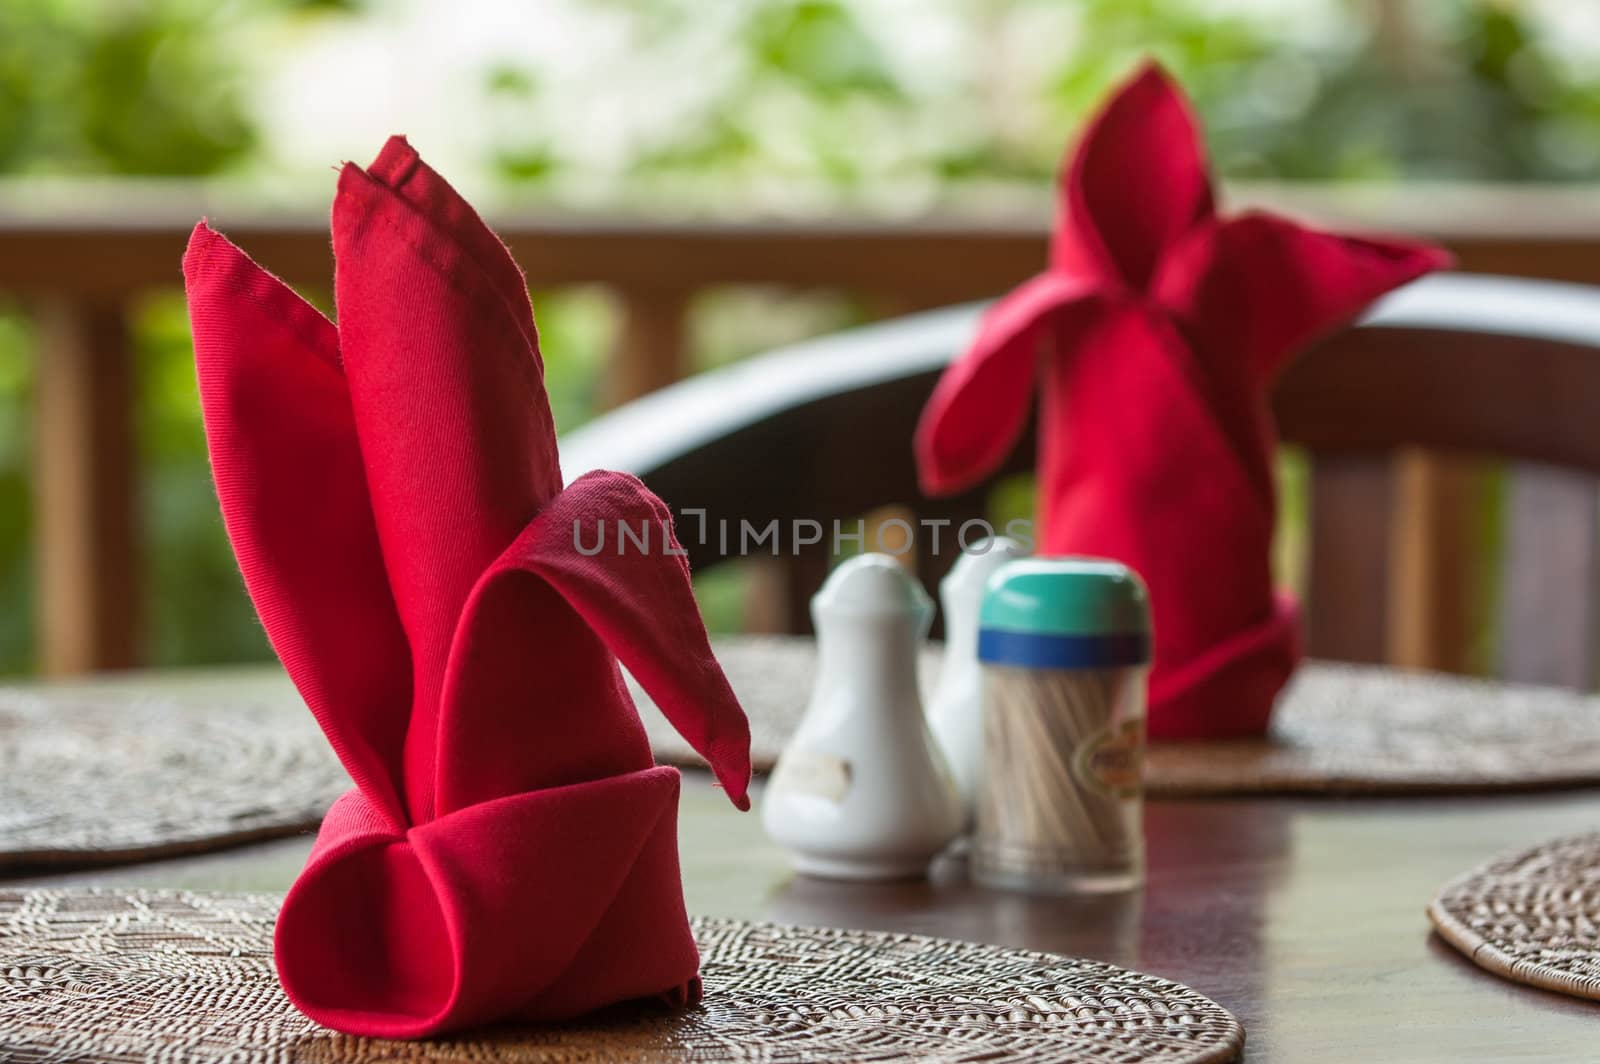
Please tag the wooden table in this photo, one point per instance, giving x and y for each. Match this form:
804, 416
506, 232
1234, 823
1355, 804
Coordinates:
1305, 917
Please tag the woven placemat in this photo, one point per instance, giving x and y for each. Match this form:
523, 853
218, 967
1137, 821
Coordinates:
1340, 729
1532, 917
183, 977
169, 763
126, 770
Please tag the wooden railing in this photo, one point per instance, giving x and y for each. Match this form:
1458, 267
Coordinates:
76, 255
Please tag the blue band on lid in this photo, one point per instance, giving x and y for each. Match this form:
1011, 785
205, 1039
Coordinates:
1042, 650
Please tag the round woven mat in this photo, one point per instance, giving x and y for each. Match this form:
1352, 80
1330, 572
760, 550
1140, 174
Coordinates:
117, 771
1340, 729
183, 977
1532, 917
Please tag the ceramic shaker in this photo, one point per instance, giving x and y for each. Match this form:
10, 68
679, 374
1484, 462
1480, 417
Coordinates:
956, 710
861, 791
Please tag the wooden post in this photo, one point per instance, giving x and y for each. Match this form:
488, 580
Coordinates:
1435, 535
84, 489
650, 346
1550, 607
803, 575
766, 594
1349, 572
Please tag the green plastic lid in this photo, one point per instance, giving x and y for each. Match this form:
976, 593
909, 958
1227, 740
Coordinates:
1065, 597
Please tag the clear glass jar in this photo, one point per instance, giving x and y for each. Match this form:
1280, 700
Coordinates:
1064, 644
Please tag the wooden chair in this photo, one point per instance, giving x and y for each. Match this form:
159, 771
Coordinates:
1397, 414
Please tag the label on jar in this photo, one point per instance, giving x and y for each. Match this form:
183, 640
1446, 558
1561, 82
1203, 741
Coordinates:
1111, 761
813, 772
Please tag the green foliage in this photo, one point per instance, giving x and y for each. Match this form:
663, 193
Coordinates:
820, 92
136, 88
523, 161
16, 549
574, 334
820, 46
1480, 97
836, 95
804, 82
197, 611
1458, 90
1011, 499
132, 88
721, 594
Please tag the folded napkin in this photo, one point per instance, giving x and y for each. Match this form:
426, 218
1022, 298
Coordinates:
392, 491
1155, 333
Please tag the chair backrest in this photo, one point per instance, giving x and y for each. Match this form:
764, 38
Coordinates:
1451, 370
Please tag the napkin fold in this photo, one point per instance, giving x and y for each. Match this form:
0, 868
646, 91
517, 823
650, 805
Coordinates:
1153, 336
393, 495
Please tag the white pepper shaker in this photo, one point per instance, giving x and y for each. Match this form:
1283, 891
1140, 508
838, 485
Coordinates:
956, 711
861, 791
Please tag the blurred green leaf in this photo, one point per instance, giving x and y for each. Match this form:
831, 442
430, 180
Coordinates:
527, 165
139, 88
16, 500
198, 611
820, 44
505, 80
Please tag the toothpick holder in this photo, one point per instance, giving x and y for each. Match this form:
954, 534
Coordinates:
1065, 647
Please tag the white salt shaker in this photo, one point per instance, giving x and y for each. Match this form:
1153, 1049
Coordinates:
861, 791
956, 712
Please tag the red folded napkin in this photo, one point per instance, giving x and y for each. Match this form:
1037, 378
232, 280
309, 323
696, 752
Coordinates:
392, 492
1155, 332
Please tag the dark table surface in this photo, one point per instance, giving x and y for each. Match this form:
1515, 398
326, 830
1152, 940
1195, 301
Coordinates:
1303, 916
